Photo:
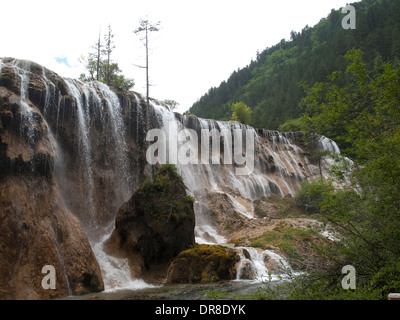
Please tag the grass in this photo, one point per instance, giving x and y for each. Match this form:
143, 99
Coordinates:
295, 244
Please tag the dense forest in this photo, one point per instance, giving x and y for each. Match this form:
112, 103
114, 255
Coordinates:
272, 85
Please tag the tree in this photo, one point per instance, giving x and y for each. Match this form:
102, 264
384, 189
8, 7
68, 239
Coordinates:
146, 27
109, 46
363, 115
172, 104
241, 113
100, 66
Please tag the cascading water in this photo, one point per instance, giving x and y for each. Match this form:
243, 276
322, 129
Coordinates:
250, 186
261, 265
101, 122
21, 68
119, 135
85, 147
115, 271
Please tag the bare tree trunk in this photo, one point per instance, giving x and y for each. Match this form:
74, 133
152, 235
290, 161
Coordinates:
147, 67
98, 57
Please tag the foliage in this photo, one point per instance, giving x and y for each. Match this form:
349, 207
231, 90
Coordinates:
359, 108
312, 194
99, 65
164, 197
270, 83
172, 104
292, 125
296, 244
241, 112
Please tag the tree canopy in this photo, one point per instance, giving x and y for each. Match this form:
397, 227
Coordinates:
270, 83
241, 112
360, 109
99, 65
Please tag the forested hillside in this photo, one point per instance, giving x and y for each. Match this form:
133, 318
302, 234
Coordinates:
271, 84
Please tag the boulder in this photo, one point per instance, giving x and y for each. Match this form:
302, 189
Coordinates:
156, 224
203, 264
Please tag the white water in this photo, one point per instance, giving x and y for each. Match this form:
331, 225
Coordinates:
250, 187
258, 267
118, 132
115, 271
21, 68
81, 96
327, 144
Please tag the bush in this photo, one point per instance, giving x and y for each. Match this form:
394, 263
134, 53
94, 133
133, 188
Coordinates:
312, 194
241, 113
292, 125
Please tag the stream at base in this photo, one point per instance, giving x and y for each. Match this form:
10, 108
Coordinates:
232, 289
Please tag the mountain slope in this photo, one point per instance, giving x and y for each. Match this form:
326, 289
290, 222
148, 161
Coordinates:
270, 84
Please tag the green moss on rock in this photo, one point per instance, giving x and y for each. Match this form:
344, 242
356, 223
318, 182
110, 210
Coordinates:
159, 220
164, 198
203, 263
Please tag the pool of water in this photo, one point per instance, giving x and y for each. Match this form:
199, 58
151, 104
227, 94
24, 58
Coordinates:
222, 290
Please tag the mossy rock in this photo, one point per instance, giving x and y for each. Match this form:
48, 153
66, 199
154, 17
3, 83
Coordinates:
164, 197
159, 220
203, 263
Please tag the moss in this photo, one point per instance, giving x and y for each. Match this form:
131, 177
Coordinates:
205, 263
164, 197
295, 244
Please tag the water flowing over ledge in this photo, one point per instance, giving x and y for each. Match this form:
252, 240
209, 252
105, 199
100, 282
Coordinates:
90, 142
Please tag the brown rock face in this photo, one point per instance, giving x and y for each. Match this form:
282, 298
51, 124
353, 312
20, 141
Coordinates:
36, 228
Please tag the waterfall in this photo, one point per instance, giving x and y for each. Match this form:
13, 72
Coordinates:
84, 143
261, 265
21, 68
101, 140
327, 144
119, 137
115, 271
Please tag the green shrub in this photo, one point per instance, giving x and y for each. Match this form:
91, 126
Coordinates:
292, 125
312, 194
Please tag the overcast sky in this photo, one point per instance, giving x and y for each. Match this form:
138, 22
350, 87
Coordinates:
199, 45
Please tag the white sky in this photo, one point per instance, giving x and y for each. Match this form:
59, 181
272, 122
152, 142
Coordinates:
199, 45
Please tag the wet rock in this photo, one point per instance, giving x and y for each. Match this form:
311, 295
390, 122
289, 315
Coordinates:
202, 264
36, 228
247, 270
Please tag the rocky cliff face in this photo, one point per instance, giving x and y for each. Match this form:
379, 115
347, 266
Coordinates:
37, 229
72, 153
